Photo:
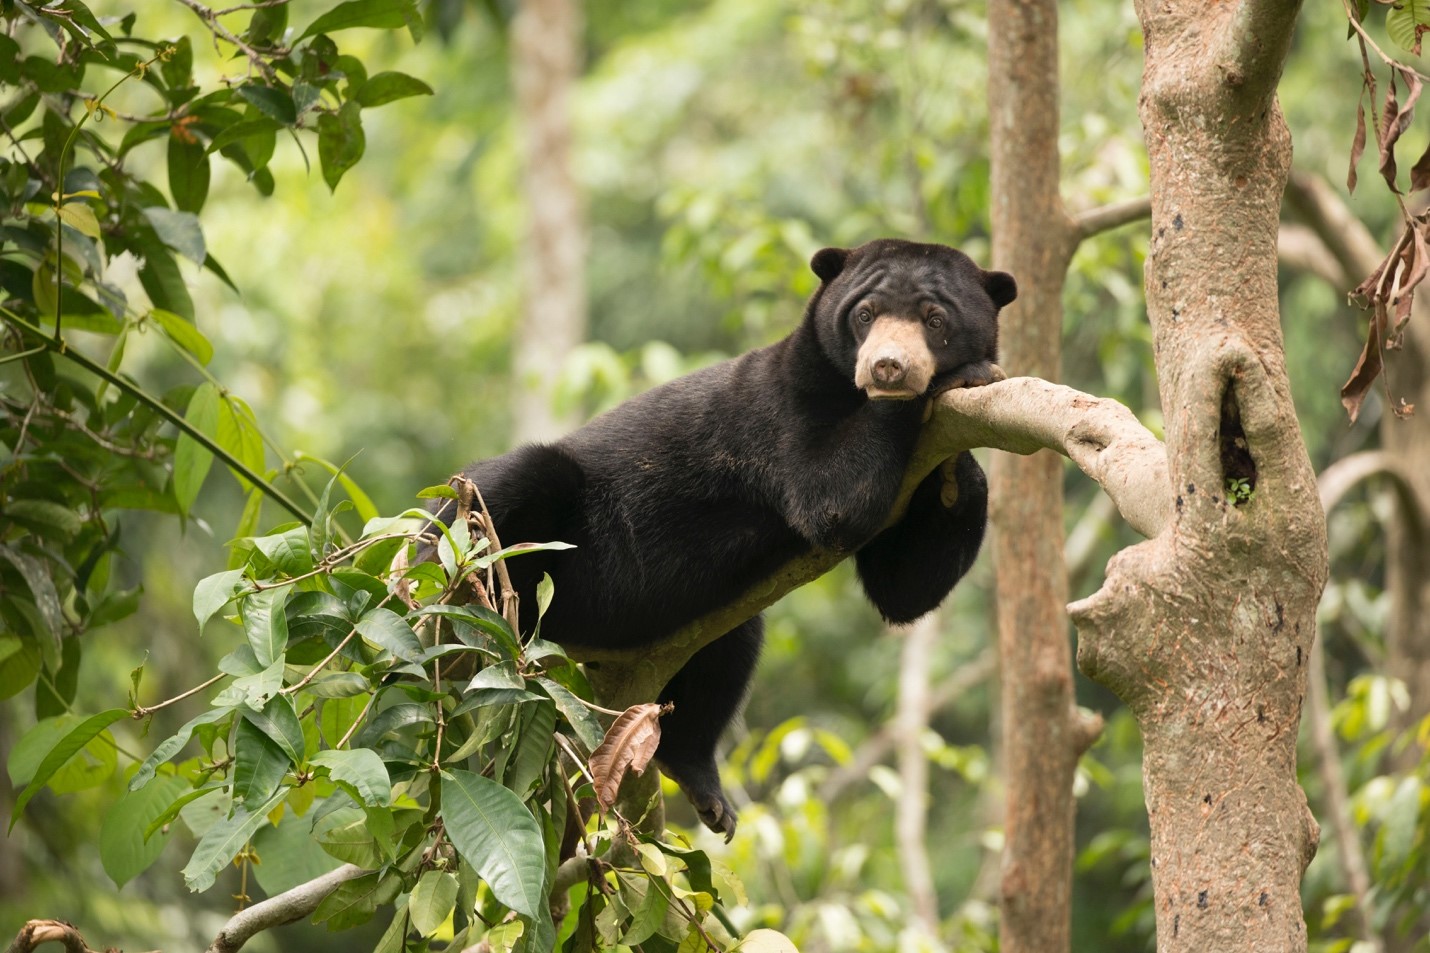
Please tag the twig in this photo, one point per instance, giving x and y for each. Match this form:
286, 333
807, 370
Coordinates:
320, 666
221, 32
911, 808
146, 712
352, 729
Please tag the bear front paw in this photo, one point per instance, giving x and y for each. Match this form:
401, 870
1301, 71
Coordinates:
969, 375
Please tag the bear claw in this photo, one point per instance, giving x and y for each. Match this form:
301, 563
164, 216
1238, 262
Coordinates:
715, 813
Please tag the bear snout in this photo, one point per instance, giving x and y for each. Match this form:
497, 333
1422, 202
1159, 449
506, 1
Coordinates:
894, 362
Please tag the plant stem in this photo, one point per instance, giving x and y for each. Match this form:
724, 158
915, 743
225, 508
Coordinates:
60, 346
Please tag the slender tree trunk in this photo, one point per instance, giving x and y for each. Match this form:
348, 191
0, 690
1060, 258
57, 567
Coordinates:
545, 63
1044, 734
911, 817
1205, 629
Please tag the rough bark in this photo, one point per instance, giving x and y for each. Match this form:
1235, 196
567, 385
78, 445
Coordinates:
545, 63
1043, 732
1205, 630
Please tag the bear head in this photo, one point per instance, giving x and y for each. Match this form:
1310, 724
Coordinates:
894, 314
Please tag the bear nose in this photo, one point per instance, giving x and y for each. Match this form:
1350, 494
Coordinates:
888, 371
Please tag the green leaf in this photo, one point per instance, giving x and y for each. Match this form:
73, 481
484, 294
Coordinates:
348, 835
123, 849
238, 433
80, 217
265, 623
432, 901
42, 589
500, 675
258, 764
279, 721
384, 88
341, 141
171, 745
213, 593
191, 459
376, 14
354, 901
188, 170
1402, 21
180, 231
360, 767
58, 756
581, 719
386, 629
160, 276
273, 102
534, 742
222, 842
496, 834
184, 334
287, 551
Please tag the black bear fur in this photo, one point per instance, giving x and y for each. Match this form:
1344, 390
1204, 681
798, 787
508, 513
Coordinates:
680, 499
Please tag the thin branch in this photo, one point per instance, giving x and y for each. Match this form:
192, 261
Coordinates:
219, 31
146, 712
62, 347
911, 808
287, 907
1094, 221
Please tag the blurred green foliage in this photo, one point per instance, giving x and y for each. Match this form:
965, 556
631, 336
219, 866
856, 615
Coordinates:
719, 144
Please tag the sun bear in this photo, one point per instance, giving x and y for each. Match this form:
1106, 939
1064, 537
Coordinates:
680, 499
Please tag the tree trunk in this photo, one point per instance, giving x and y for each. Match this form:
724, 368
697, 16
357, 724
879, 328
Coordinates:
1043, 733
1204, 630
545, 62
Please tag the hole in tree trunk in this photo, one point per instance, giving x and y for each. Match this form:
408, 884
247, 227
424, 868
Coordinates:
1237, 467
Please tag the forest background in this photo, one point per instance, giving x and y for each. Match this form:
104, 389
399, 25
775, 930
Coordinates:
716, 146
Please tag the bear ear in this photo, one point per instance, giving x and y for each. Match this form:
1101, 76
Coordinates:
827, 263
1000, 287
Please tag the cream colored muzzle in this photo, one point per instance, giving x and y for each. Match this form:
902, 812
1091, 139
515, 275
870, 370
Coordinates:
894, 362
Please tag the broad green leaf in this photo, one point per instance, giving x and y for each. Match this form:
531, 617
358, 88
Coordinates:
161, 277
384, 88
222, 842
273, 102
388, 630
341, 141
170, 746
42, 589
360, 767
238, 433
253, 691
80, 217
279, 721
485, 561
347, 834
188, 170
354, 901
123, 849
377, 14
500, 675
646, 903
191, 459
287, 551
496, 834
432, 901
266, 624
581, 718
59, 755
258, 765
766, 941
545, 590
337, 685
180, 231
1402, 19
184, 334
534, 742
479, 618
213, 593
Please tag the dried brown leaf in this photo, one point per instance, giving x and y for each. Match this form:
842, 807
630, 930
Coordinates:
1403, 408
1368, 367
1388, 133
629, 745
1357, 143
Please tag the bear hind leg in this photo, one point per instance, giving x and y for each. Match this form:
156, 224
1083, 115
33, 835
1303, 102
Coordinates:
707, 693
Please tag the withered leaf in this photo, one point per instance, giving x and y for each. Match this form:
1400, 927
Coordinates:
629, 745
1367, 368
1358, 143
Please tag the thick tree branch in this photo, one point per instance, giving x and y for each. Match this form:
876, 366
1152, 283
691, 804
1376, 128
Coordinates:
1095, 221
288, 907
1021, 415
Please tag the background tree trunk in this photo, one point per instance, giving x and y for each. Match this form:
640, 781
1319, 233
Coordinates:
1205, 629
1043, 733
545, 63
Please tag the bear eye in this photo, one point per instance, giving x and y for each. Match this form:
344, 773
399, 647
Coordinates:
864, 315
935, 321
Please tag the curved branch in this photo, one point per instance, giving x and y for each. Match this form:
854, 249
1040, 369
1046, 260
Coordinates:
287, 907
1020, 415
1105, 218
